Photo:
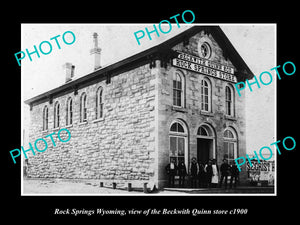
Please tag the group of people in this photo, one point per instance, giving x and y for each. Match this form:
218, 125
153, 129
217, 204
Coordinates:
201, 175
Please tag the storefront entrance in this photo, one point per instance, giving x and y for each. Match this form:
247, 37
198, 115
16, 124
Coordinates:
205, 144
204, 150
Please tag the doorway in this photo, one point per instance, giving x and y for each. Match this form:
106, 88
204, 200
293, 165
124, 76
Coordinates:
204, 150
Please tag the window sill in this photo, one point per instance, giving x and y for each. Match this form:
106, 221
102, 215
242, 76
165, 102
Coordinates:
45, 131
56, 129
205, 113
179, 109
98, 120
82, 123
230, 117
70, 125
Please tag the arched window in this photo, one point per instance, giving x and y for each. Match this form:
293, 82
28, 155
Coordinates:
83, 108
56, 114
69, 114
230, 144
45, 118
177, 127
178, 89
178, 142
99, 103
228, 134
229, 101
205, 95
203, 131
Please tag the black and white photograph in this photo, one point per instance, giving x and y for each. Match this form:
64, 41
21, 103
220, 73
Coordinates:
148, 112
143, 111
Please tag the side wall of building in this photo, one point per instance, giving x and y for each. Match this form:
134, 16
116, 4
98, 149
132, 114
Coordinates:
121, 146
132, 141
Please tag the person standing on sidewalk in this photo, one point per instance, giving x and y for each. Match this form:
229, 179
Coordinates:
225, 170
215, 174
194, 170
234, 174
201, 176
171, 169
208, 173
181, 173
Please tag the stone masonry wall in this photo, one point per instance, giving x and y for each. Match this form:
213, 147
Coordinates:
118, 147
191, 114
131, 142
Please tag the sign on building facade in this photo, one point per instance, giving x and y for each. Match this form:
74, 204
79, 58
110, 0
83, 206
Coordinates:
204, 66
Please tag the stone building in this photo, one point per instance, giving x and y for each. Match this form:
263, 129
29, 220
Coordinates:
128, 119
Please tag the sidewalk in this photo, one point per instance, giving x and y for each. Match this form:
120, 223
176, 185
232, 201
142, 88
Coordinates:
85, 187
241, 189
65, 187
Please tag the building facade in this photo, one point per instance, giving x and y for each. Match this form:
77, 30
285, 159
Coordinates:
129, 119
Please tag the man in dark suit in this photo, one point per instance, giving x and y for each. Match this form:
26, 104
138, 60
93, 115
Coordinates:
208, 173
194, 171
182, 173
234, 174
171, 170
225, 170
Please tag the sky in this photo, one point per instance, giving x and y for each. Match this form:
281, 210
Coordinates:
256, 43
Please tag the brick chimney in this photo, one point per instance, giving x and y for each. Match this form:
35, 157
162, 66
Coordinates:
69, 69
96, 51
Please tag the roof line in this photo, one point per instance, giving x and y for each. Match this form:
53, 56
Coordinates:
218, 35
